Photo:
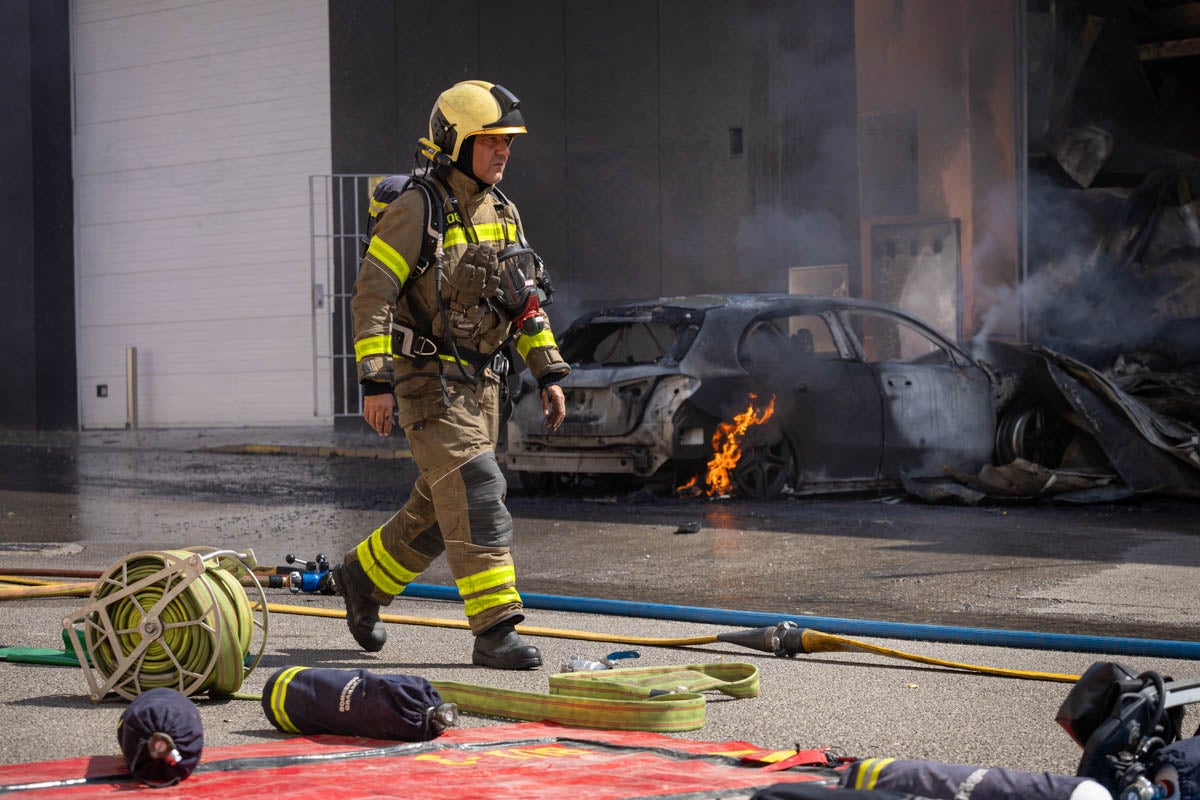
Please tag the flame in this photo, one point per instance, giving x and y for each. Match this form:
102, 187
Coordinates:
727, 449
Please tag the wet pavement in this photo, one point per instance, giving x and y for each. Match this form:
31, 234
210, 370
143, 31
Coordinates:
82, 501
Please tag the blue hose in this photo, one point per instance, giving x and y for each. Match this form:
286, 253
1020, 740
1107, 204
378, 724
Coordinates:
1030, 640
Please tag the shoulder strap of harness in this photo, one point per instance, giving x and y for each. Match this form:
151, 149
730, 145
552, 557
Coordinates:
435, 224
386, 191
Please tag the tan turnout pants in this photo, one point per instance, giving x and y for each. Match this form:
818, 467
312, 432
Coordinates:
456, 505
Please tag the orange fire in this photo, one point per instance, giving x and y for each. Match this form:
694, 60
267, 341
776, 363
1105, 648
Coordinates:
727, 448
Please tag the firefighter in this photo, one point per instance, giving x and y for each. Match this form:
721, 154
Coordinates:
428, 340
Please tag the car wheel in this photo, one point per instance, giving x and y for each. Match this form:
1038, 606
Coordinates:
1034, 434
766, 469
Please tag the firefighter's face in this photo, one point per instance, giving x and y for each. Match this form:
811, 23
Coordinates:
489, 157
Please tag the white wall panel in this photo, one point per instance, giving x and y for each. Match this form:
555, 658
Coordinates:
198, 123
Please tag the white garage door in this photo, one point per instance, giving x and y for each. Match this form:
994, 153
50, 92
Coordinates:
197, 125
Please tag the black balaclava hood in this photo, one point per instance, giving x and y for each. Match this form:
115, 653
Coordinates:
465, 164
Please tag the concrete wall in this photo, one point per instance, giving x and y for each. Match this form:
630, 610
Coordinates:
939, 76
629, 182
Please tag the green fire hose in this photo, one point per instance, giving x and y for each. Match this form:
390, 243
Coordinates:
179, 619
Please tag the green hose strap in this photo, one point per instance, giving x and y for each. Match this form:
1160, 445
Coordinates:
661, 699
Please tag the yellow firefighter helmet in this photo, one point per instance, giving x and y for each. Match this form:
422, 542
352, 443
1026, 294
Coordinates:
467, 109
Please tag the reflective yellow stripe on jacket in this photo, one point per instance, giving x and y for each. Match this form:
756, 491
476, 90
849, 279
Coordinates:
386, 255
867, 772
278, 699
372, 346
485, 232
543, 339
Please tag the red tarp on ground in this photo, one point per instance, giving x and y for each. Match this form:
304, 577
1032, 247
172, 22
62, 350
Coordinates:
531, 759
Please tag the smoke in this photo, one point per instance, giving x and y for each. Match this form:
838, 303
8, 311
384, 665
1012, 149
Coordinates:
1083, 285
1062, 241
802, 170
776, 239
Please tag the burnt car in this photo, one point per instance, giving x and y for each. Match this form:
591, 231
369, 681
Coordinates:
864, 395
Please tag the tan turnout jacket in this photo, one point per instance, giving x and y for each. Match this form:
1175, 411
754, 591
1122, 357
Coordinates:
393, 252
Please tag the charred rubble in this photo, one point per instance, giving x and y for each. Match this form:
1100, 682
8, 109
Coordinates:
1103, 400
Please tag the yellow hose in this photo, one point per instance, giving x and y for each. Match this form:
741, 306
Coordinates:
817, 642
814, 641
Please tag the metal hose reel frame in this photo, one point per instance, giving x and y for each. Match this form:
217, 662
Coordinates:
179, 619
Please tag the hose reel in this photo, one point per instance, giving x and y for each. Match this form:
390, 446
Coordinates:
178, 619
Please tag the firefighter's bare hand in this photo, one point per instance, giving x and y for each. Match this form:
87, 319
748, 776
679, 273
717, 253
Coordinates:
377, 411
554, 406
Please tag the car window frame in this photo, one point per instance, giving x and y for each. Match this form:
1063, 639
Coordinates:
846, 351
957, 357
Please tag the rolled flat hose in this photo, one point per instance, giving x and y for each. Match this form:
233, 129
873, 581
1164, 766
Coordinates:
174, 619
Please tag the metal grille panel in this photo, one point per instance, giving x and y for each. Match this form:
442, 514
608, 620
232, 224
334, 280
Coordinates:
338, 206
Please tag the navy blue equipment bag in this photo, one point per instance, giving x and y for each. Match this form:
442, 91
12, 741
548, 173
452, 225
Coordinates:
355, 702
812, 791
161, 737
940, 781
1177, 766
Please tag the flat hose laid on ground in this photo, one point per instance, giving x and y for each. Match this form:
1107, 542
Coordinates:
758, 639
952, 634
177, 619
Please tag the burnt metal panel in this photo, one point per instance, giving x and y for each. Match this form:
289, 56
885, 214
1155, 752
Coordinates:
935, 416
830, 410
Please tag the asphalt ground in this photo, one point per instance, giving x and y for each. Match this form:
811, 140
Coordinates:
860, 704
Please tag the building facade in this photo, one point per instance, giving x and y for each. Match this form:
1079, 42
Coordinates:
170, 218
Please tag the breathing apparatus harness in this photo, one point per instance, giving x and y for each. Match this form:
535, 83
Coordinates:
525, 284
1125, 721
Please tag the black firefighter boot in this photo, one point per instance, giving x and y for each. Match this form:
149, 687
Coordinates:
501, 647
362, 612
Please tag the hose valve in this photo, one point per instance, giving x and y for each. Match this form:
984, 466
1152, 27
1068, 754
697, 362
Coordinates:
784, 640
440, 717
161, 745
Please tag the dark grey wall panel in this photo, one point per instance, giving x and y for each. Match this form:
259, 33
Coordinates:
626, 181
363, 76
37, 299
18, 356
523, 50
437, 46
705, 85
613, 134
803, 160
53, 223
